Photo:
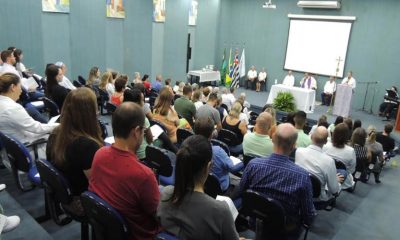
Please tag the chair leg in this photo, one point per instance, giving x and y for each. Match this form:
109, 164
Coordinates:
84, 231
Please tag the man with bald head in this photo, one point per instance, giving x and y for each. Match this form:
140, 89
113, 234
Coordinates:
157, 84
258, 143
279, 178
320, 164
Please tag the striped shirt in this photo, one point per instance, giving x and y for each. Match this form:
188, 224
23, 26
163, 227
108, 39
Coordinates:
279, 178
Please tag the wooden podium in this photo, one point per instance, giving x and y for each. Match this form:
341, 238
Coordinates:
343, 100
397, 128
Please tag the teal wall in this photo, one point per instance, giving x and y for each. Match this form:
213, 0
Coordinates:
373, 52
85, 37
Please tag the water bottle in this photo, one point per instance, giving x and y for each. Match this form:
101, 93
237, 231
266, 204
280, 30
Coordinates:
276, 81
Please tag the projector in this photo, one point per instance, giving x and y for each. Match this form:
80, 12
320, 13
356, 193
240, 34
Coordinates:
269, 5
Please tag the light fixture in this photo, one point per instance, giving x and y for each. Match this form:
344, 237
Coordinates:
319, 4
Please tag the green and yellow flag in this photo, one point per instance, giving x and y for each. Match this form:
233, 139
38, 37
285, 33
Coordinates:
228, 78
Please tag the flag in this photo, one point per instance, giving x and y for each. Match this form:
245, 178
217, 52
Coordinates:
224, 68
228, 78
242, 65
235, 71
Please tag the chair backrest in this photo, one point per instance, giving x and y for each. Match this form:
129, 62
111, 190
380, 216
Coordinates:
266, 209
103, 95
160, 160
228, 137
153, 122
51, 107
103, 127
316, 185
110, 107
223, 105
54, 182
182, 134
247, 158
82, 80
339, 164
77, 84
17, 153
212, 186
106, 222
217, 142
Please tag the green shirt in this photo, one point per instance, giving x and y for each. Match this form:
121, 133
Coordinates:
186, 109
257, 144
303, 140
141, 152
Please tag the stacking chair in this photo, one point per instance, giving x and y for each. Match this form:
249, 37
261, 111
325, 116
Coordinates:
247, 158
269, 215
321, 205
110, 107
155, 122
217, 142
82, 80
77, 84
162, 162
50, 107
212, 186
223, 105
21, 161
103, 127
104, 98
59, 198
229, 138
356, 174
107, 223
182, 134
165, 236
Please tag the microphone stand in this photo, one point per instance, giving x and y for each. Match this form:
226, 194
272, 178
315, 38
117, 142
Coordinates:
366, 93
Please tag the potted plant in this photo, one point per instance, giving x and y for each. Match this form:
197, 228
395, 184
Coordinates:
285, 102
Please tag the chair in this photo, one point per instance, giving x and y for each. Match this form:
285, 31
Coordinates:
165, 236
106, 222
82, 80
50, 107
155, 122
316, 185
269, 214
223, 105
110, 107
247, 158
59, 198
228, 137
21, 160
182, 134
321, 205
162, 162
212, 186
103, 127
77, 84
217, 142
104, 98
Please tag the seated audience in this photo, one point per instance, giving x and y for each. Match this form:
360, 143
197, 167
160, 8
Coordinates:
120, 179
385, 139
54, 90
136, 96
73, 144
14, 120
234, 124
357, 124
222, 163
206, 93
157, 84
180, 89
196, 99
273, 126
146, 106
258, 142
118, 96
168, 85
65, 82
94, 77
319, 164
376, 150
339, 151
363, 155
137, 78
349, 122
106, 84
222, 111
19, 56
208, 110
322, 119
338, 120
164, 113
386, 108
176, 87
184, 107
185, 210
228, 98
279, 178
303, 140
146, 83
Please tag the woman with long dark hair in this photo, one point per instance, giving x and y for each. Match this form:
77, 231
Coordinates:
72, 145
363, 155
53, 90
185, 210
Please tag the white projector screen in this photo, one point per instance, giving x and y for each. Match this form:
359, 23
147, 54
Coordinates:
315, 46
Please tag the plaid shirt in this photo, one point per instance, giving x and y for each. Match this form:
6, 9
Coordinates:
279, 178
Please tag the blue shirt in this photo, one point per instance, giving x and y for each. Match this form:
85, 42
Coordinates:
156, 85
279, 178
222, 165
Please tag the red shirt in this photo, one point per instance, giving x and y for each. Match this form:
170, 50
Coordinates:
147, 85
130, 187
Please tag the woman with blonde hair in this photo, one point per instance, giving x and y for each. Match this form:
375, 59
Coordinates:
164, 113
106, 83
72, 145
376, 150
93, 79
234, 124
273, 127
